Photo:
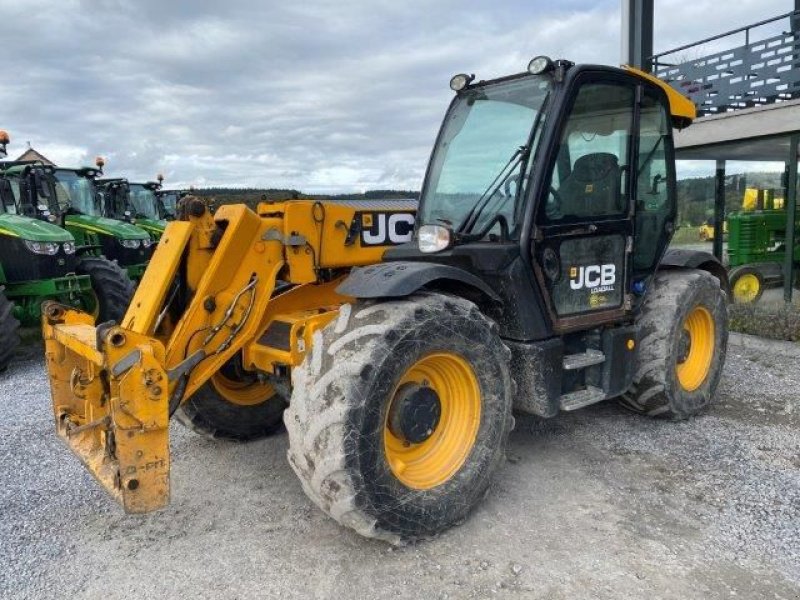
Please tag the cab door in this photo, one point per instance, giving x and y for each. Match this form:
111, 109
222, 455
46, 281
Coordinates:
584, 226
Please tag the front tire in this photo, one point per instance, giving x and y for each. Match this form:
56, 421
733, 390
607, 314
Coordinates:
112, 287
683, 341
233, 405
9, 332
747, 284
400, 415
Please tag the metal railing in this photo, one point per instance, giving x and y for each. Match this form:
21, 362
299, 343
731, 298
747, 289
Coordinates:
764, 71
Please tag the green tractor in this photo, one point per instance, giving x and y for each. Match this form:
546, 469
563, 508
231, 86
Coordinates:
757, 246
135, 203
39, 261
78, 202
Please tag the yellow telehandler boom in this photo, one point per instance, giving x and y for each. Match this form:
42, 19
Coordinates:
263, 282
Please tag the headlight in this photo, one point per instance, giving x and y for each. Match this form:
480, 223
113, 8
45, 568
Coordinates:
132, 244
42, 247
147, 243
69, 247
433, 238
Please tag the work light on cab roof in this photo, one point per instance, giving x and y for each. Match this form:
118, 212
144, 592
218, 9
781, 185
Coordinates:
460, 81
540, 64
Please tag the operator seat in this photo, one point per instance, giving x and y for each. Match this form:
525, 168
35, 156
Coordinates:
593, 187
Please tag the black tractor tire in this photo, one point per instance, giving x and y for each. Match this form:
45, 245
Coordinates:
339, 413
208, 414
111, 285
746, 270
9, 332
665, 343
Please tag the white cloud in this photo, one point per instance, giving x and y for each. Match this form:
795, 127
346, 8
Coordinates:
319, 95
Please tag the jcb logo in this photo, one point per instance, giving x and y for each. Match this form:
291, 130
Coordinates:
386, 229
594, 277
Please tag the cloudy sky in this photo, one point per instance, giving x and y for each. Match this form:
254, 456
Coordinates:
339, 95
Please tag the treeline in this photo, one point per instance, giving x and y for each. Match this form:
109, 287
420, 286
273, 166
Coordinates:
252, 196
696, 194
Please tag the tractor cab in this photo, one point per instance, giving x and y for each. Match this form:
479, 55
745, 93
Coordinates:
143, 200
145, 204
115, 198
79, 199
31, 184
76, 189
135, 203
168, 203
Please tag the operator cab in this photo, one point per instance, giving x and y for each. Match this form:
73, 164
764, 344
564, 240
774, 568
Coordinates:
116, 201
144, 203
168, 203
564, 174
27, 190
76, 191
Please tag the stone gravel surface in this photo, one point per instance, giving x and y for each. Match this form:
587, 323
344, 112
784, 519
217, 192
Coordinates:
594, 504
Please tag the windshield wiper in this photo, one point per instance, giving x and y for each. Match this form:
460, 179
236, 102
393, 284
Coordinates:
474, 213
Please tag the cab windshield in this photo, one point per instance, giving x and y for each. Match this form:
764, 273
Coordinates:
143, 201
76, 192
481, 160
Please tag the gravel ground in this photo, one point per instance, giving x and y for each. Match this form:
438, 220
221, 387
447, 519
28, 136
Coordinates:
598, 503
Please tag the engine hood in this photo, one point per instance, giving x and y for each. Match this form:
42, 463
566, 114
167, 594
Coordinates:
105, 226
36, 230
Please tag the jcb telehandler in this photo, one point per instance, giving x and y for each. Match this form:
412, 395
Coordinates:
534, 276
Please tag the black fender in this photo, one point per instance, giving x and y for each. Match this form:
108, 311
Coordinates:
403, 278
677, 258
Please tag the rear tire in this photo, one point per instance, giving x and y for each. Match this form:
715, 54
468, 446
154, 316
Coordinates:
111, 285
342, 419
683, 341
9, 332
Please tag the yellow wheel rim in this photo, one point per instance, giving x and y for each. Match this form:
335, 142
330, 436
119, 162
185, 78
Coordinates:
746, 288
242, 393
699, 335
435, 460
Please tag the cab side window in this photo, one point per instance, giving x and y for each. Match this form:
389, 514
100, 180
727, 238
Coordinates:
9, 195
589, 180
654, 205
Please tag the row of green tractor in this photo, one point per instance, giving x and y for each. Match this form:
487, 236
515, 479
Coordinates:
69, 235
